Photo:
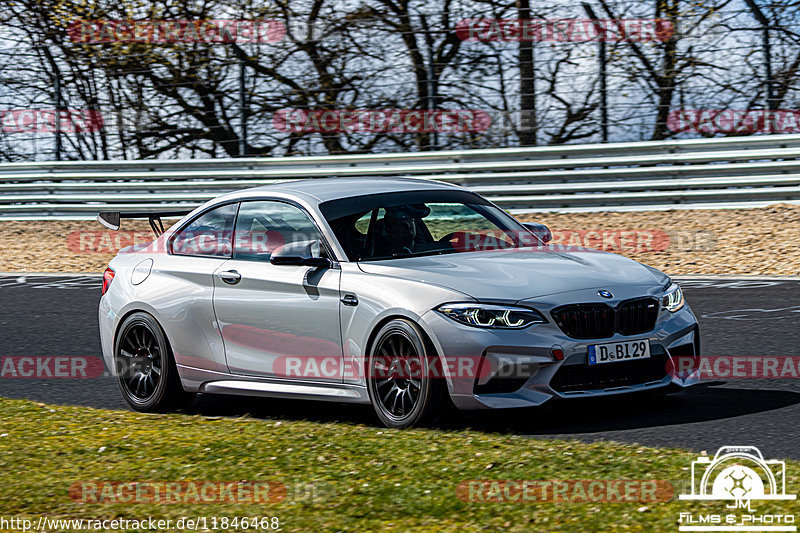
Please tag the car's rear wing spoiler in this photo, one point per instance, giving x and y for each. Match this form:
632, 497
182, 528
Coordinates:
111, 219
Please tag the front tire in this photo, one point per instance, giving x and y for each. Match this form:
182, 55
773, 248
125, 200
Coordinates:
146, 372
404, 379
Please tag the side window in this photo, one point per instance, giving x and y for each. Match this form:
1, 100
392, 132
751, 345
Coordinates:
209, 235
264, 225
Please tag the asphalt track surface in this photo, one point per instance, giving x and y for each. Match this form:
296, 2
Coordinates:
49, 315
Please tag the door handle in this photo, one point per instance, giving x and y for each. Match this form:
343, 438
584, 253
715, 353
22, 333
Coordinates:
231, 277
349, 299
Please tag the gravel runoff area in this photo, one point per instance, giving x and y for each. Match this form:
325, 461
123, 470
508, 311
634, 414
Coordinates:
764, 241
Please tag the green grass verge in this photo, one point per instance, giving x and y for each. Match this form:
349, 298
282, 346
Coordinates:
371, 478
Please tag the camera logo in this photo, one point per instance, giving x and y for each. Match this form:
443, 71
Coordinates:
737, 475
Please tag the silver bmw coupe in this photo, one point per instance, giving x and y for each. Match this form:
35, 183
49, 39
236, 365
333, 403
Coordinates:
402, 293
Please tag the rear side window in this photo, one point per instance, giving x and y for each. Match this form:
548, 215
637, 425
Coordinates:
208, 235
264, 225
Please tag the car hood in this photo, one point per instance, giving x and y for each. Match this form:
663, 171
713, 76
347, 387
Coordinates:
517, 275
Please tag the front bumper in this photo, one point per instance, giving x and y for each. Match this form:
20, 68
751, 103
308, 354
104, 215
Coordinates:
517, 368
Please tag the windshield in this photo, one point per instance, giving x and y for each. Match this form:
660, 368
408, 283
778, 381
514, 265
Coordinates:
408, 224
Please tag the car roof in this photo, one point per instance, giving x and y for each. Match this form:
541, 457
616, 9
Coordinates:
318, 190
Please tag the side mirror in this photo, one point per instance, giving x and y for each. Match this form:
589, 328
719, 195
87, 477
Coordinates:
300, 253
540, 230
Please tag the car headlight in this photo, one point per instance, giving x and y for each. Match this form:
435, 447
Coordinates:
491, 316
673, 298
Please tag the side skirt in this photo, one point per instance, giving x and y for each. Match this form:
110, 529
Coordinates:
207, 381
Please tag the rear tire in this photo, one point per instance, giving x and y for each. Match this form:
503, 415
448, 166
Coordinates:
404, 377
145, 367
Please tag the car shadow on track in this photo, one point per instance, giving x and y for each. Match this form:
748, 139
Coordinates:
701, 403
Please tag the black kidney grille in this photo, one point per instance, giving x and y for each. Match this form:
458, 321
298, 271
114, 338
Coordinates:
637, 316
600, 321
585, 321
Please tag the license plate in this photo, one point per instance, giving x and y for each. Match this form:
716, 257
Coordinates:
614, 352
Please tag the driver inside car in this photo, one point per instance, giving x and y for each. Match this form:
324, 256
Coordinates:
398, 231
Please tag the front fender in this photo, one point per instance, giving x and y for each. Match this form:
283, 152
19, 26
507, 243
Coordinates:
380, 299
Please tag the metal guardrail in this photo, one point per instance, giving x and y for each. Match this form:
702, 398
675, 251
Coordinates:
719, 172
